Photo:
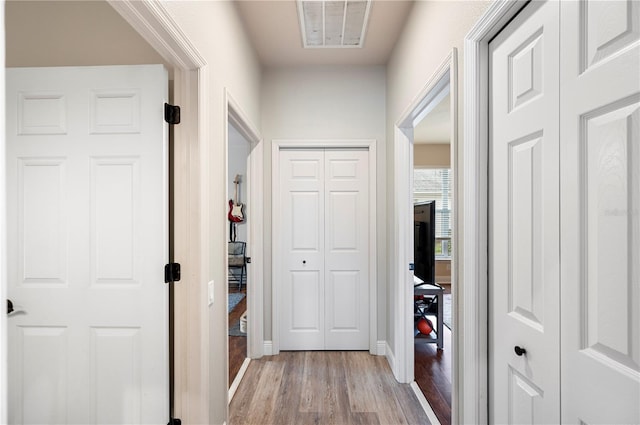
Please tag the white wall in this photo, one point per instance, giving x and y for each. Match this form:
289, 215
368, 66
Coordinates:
238, 153
326, 103
215, 30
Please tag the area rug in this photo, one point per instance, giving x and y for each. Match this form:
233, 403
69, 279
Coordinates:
234, 330
234, 299
446, 313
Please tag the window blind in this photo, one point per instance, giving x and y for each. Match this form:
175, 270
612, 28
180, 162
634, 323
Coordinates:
435, 184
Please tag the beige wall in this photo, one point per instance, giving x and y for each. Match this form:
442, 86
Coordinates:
433, 29
72, 33
326, 103
432, 155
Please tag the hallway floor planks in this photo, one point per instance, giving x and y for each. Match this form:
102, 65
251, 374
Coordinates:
323, 387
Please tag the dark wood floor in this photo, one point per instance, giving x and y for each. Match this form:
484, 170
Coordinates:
323, 387
433, 373
237, 344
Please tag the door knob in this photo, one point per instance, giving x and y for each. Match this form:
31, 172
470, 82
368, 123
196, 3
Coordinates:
519, 350
9, 306
304, 261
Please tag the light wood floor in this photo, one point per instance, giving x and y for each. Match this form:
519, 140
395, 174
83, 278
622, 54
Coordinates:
323, 387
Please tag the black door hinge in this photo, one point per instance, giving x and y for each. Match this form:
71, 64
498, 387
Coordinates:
171, 114
174, 421
172, 272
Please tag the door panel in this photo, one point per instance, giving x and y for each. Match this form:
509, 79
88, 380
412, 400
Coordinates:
302, 200
347, 250
524, 205
600, 186
87, 243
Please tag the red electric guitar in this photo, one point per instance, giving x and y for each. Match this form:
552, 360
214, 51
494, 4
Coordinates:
236, 214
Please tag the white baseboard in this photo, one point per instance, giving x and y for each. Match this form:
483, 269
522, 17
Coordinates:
238, 379
267, 349
425, 404
381, 348
392, 360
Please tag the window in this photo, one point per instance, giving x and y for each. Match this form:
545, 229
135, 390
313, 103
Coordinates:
436, 184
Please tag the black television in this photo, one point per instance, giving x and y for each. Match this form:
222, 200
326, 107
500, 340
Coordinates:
424, 241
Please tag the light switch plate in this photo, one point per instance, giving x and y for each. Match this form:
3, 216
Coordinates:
211, 292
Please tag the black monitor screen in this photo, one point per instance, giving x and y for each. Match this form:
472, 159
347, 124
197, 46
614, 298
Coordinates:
424, 241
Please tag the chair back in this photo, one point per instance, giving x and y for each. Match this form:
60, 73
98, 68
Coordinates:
237, 249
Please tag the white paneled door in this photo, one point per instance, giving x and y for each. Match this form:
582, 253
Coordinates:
325, 250
87, 242
564, 202
600, 224
524, 204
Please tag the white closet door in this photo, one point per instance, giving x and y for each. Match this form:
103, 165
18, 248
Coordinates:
302, 204
600, 157
524, 226
87, 242
324, 301
347, 250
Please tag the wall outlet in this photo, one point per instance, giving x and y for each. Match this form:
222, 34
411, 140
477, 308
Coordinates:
210, 291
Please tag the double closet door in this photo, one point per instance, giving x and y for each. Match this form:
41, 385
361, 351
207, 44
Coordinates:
324, 251
565, 229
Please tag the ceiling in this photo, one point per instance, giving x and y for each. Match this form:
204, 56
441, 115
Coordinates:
274, 31
436, 126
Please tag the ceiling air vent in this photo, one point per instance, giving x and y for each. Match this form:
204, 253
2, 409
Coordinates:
333, 24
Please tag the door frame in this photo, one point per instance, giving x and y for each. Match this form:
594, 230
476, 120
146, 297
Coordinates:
4, 413
473, 366
276, 225
190, 207
255, 237
444, 81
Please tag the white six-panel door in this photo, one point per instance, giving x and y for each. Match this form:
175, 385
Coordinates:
325, 250
524, 208
87, 242
600, 225
565, 221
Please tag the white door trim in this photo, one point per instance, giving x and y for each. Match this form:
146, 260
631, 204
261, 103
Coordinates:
442, 82
277, 145
3, 235
472, 384
191, 187
255, 245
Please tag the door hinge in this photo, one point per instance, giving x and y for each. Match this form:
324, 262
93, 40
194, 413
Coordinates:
172, 272
171, 114
174, 421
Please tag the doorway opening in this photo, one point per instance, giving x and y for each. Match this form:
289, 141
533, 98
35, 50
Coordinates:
238, 215
245, 243
433, 183
425, 169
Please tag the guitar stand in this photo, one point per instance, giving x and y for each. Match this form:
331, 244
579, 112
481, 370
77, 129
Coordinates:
232, 231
